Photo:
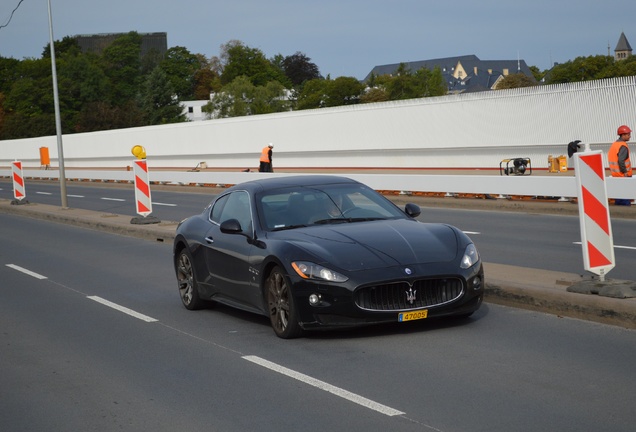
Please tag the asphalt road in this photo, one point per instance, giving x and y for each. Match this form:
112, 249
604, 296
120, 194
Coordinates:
94, 337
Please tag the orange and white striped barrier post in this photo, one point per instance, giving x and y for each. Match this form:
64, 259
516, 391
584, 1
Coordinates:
142, 188
143, 201
19, 190
594, 214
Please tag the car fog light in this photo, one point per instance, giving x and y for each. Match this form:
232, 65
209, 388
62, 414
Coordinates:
477, 283
314, 299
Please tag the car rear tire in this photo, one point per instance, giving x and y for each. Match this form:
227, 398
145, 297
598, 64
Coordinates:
282, 311
187, 283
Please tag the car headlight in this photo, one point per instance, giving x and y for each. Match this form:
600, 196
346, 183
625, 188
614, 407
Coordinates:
470, 258
309, 270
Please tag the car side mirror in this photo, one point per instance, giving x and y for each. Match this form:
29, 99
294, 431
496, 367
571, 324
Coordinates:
231, 226
412, 210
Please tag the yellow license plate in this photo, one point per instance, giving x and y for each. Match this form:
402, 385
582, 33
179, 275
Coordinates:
414, 315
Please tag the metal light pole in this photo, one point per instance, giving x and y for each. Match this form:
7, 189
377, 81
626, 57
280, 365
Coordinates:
58, 121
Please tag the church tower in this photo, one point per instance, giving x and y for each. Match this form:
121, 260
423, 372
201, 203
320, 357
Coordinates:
623, 49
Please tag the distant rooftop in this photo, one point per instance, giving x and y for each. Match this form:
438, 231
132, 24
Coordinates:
465, 73
99, 41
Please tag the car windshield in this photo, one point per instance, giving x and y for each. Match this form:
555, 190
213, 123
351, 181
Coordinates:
330, 204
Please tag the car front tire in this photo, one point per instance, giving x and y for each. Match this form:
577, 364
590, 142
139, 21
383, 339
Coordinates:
282, 312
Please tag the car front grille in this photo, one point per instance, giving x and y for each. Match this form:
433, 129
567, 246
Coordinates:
399, 296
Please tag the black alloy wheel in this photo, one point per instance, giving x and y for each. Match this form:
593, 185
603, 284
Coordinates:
282, 312
187, 283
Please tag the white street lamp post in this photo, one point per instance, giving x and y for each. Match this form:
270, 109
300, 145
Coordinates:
58, 122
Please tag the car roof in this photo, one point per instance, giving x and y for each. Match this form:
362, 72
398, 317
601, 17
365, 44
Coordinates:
292, 181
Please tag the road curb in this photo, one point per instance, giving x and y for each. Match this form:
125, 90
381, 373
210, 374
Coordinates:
616, 312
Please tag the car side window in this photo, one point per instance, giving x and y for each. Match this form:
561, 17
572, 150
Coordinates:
217, 207
237, 207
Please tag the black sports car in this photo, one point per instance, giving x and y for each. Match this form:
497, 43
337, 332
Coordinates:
317, 252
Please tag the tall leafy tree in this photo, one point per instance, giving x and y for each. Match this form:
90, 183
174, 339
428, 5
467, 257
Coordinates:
242, 98
374, 94
435, 83
150, 61
312, 95
80, 81
232, 101
29, 109
158, 104
404, 85
270, 98
122, 65
241, 60
96, 116
515, 81
206, 81
580, 69
299, 69
180, 66
343, 91
8, 73
622, 68
536, 73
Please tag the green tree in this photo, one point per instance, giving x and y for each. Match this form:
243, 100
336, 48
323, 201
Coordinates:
299, 69
68, 45
375, 94
241, 60
517, 80
536, 73
32, 93
96, 116
232, 101
122, 65
270, 98
150, 61
180, 66
241, 98
158, 103
2, 114
580, 69
343, 91
28, 105
206, 79
9, 68
312, 94
80, 81
405, 85
436, 84
621, 68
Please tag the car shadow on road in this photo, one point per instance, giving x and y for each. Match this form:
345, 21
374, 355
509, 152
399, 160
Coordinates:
397, 328
367, 331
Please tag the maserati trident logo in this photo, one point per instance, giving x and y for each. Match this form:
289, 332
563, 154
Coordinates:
410, 295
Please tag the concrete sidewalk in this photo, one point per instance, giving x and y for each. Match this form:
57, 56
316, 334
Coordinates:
527, 288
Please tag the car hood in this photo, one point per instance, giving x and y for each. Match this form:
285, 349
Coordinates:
376, 244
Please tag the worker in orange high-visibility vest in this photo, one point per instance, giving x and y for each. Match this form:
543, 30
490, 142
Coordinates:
266, 159
618, 159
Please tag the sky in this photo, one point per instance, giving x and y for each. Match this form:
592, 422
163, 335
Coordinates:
343, 37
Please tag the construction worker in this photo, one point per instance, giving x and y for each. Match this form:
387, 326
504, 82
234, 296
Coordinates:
618, 158
266, 159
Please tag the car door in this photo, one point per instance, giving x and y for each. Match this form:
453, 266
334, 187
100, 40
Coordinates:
228, 254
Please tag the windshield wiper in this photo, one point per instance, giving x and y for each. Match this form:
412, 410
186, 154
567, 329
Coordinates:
342, 220
287, 227
331, 220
